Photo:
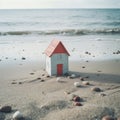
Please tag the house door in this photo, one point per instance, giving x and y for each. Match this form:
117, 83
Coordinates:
59, 69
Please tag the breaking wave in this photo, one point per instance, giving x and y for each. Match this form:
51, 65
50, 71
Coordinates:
64, 32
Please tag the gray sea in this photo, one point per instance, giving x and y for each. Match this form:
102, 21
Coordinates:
28, 32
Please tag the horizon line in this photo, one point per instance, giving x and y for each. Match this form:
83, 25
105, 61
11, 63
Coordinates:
57, 8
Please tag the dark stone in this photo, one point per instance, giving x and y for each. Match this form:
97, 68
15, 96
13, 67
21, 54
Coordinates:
43, 74
72, 97
42, 80
23, 58
47, 76
114, 53
14, 83
76, 99
20, 83
96, 89
81, 78
86, 52
102, 94
32, 73
6, 109
83, 66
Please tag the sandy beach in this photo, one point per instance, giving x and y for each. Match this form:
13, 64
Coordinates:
37, 96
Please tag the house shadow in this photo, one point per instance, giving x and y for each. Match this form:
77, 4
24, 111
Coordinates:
98, 77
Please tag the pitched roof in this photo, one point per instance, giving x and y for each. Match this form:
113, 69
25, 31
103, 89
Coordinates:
56, 46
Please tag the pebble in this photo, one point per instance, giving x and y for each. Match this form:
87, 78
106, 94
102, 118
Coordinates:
83, 66
102, 94
96, 89
114, 53
81, 78
47, 76
117, 52
72, 96
14, 83
42, 80
77, 104
66, 92
85, 83
77, 84
43, 74
58, 79
6, 109
73, 76
32, 73
86, 52
76, 99
23, 58
19, 82
18, 116
107, 117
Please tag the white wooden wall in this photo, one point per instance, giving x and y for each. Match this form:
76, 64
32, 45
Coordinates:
51, 63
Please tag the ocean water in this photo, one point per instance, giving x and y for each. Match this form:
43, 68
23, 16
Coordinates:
28, 32
60, 22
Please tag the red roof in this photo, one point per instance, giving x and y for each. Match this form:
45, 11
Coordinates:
56, 46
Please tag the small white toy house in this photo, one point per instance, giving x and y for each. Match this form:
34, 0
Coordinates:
56, 58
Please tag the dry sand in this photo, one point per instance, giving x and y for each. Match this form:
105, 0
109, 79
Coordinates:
28, 89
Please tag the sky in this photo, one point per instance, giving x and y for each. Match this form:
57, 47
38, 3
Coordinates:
26, 4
